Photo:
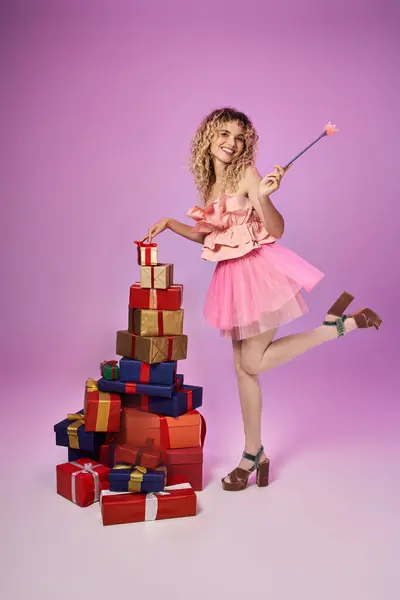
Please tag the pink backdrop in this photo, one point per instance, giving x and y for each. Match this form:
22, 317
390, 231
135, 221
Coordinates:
100, 103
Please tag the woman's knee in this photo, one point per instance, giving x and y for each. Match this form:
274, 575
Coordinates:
248, 364
240, 371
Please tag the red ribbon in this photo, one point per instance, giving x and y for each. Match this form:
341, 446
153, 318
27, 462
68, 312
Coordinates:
164, 434
189, 399
203, 430
160, 322
144, 373
144, 403
144, 245
147, 256
178, 384
152, 276
130, 388
170, 345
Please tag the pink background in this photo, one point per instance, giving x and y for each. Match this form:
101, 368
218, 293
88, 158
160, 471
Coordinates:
100, 100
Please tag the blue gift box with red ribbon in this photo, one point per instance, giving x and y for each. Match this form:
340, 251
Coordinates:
148, 389
136, 371
183, 401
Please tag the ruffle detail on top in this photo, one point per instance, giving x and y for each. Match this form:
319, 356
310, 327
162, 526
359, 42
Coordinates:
232, 228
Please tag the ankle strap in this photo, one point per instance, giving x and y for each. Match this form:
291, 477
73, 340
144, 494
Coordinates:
338, 323
254, 458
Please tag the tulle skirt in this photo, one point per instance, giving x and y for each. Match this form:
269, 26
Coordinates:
258, 291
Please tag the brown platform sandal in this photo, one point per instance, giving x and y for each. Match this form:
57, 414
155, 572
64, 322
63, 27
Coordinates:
239, 477
364, 317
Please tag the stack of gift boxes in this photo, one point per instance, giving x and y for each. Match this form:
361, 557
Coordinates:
137, 445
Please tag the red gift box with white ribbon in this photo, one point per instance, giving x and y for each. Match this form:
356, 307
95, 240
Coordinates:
177, 500
81, 481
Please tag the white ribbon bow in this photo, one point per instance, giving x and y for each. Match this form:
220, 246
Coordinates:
86, 468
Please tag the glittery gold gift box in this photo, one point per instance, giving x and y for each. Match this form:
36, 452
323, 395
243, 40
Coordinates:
155, 322
159, 277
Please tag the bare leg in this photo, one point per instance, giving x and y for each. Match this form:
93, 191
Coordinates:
250, 402
259, 354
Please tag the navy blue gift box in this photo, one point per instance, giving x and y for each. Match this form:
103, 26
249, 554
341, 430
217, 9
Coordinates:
87, 440
133, 371
128, 478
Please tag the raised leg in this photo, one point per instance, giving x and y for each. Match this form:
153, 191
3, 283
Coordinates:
259, 354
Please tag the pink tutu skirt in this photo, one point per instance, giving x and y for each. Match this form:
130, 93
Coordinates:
258, 291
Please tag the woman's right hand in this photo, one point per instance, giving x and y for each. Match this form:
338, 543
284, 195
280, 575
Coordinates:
155, 230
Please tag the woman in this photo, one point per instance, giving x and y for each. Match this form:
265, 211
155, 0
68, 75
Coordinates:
257, 283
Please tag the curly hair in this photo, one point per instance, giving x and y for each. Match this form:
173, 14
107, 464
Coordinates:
201, 164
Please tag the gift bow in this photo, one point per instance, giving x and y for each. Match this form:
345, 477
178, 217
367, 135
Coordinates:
110, 363
91, 385
137, 472
136, 476
86, 468
76, 417
144, 245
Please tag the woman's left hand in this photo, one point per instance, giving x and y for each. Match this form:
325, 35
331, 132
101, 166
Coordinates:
271, 182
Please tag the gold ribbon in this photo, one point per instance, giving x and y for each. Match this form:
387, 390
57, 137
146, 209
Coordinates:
153, 298
137, 475
103, 400
103, 411
72, 429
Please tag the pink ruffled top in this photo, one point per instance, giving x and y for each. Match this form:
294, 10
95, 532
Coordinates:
232, 226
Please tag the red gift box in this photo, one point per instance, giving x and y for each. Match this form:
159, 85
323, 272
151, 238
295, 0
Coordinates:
133, 455
81, 481
177, 500
102, 409
169, 299
187, 463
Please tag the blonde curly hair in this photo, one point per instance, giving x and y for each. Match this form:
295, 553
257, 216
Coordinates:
201, 164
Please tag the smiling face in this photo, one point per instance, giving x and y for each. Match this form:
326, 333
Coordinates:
228, 142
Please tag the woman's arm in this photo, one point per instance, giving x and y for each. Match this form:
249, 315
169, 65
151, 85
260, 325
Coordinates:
269, 215
185, 231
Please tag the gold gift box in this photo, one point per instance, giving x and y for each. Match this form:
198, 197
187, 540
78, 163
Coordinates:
151, 349
159, 277
145, 321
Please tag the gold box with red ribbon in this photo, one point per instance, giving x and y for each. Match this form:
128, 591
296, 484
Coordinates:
159, 277
147, 253
151, 349
102, 409
145, 321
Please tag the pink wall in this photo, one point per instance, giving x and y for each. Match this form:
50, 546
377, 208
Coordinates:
100, 102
